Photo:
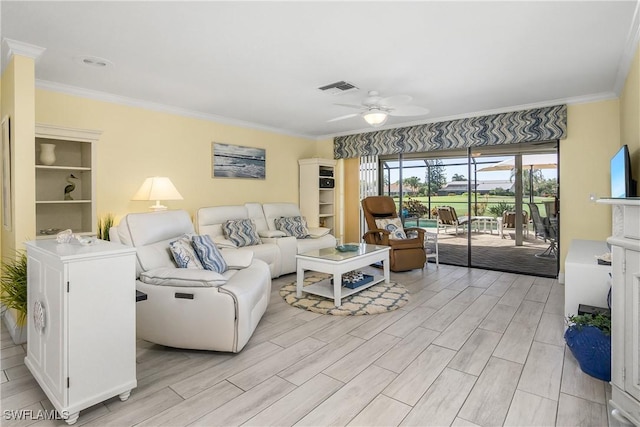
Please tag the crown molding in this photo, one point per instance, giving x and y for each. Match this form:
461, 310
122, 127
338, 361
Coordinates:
596, 97
12, 47
631, 46
132, 102
44, 130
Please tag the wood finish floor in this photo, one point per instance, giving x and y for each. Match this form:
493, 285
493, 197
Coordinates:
472, 347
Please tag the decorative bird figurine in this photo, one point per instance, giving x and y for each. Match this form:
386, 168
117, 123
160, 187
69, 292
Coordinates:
69, 188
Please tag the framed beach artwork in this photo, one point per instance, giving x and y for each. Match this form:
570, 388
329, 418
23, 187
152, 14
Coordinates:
6, 172
236, 161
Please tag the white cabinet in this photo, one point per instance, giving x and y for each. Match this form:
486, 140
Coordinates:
586, 282
625, 309
73, 168
81, 342
317, 192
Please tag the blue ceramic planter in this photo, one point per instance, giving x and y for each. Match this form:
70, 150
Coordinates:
592, 350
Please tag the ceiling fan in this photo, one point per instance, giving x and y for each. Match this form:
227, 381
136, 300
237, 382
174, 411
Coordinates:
376, 109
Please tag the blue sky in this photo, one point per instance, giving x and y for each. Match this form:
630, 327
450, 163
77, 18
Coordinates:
462, 170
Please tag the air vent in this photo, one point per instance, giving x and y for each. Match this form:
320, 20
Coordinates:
338, 87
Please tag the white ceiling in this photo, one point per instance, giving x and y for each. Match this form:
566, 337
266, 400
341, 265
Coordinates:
260, 64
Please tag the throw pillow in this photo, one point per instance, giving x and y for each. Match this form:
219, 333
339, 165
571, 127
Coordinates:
209, 254
184, 254
393, 226
242, 232
294, 226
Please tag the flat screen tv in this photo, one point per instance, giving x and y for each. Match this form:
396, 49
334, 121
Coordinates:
622, 183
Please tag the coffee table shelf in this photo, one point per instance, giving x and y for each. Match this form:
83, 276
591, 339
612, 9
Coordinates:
331, 261
324, 288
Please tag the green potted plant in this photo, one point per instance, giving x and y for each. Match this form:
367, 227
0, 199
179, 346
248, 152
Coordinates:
589, 339
13, 293
105, 222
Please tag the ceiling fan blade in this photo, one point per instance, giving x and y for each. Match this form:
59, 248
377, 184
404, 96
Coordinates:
392, 101
409, 110
359, 107
348, 116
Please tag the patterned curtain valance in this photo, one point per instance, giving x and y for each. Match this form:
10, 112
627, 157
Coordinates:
540, 124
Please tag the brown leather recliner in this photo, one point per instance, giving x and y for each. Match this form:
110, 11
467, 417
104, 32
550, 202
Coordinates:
405, 254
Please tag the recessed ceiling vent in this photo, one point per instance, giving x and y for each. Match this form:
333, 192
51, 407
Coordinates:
93, 61
338, 88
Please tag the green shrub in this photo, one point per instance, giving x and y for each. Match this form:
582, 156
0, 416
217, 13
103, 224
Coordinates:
598, 320
498, 208
415, 207
13, 289
479, 208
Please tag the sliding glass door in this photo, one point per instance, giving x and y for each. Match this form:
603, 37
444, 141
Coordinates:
492, 207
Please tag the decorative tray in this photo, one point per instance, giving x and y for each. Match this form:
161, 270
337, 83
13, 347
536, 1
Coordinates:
347, 248
50, 231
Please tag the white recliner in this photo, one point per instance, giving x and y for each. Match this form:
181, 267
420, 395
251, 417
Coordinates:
192, 308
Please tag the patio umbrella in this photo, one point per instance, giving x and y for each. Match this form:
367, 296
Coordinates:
532, 161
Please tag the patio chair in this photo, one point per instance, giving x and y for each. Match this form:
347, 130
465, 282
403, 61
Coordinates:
545, 229
509, 222
447, 217
385, 228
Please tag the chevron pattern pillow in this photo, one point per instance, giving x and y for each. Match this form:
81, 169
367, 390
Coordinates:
209, 254
294, 226
184, 254
242, 232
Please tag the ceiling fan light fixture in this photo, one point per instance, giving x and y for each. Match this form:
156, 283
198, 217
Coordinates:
375, 117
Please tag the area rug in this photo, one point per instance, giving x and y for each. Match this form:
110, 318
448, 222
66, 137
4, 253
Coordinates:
379, 298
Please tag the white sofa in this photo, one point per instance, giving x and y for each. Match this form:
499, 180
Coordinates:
192, 308
277, 250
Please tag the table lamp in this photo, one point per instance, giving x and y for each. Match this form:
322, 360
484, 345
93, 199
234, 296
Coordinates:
157, 188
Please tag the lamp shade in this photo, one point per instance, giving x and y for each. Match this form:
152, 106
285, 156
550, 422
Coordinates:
375, 117
157, 188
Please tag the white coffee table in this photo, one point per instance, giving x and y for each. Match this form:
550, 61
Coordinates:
336, 263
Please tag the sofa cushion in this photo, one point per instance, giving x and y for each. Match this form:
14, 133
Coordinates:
237, 259
210, 220
316, 232
271, 233
294, 226
393, 226
184, 253
242, 232
277, 210
306, 245
150, 233
182, 277
221, 242
209, 254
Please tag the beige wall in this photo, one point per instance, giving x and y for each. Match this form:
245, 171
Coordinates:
137, 143
593, 137
18, 81
630, 114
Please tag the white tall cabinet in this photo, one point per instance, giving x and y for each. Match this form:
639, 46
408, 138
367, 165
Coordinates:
625, 309
81, 341
317, 196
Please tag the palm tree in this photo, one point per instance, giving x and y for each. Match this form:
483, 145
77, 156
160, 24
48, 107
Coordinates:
411, 184
529, 177
458, 177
